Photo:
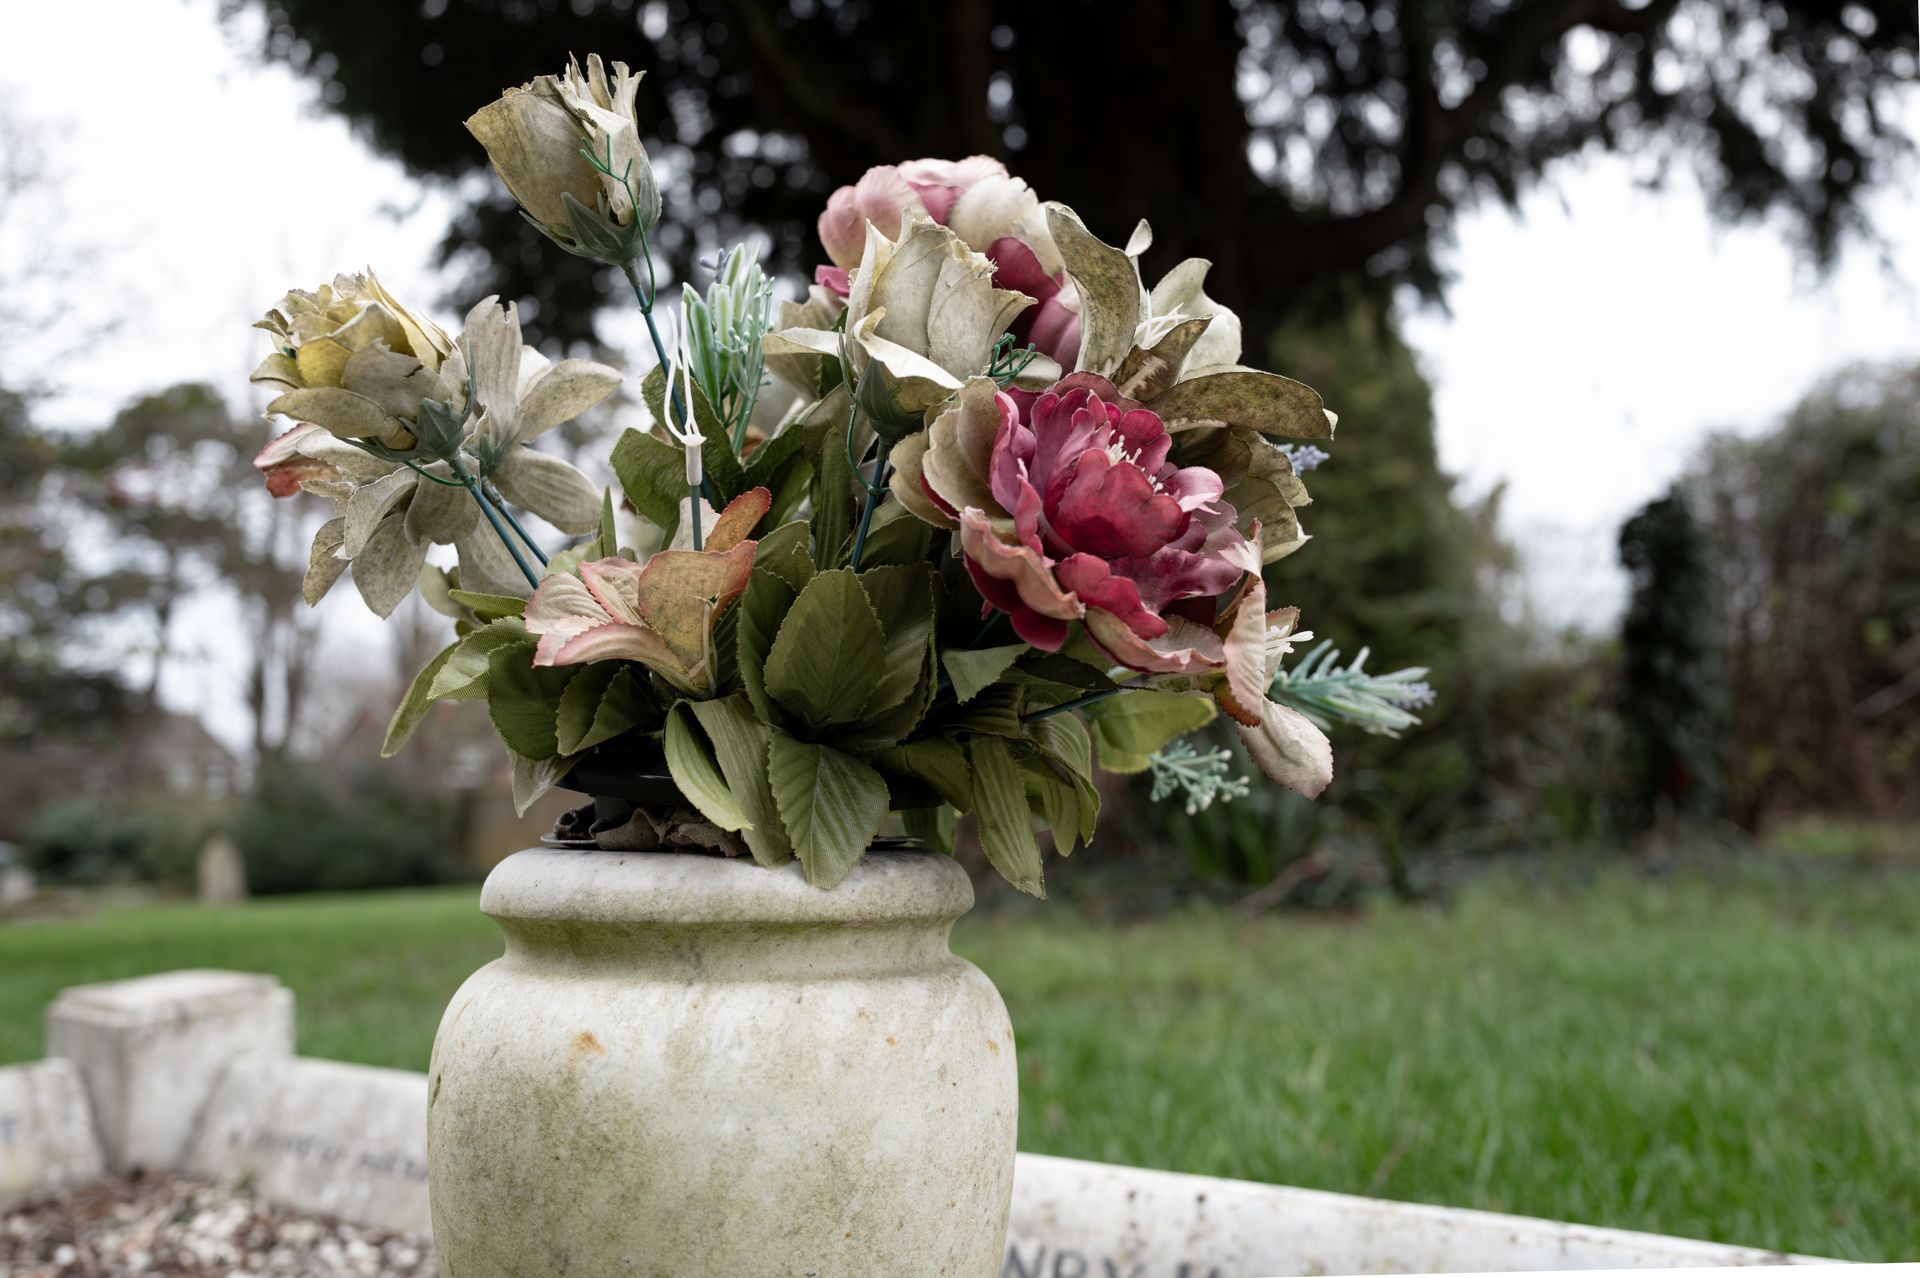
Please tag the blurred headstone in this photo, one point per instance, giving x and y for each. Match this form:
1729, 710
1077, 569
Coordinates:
222, 872
348, 1141
151, 1049
17, 885
46, 1132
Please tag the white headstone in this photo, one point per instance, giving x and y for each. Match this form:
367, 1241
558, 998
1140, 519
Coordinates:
46, 1132
17, 885
318, 1136
150, 1050
1091, 1220
221, 872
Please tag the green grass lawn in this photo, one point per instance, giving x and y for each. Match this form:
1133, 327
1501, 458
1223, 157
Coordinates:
1735, 1057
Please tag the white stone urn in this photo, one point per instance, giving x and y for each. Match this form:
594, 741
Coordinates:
691, 1065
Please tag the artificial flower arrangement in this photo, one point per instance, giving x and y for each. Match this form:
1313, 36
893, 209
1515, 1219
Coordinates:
1010, 523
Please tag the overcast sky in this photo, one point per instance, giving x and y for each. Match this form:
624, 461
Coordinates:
1593, 338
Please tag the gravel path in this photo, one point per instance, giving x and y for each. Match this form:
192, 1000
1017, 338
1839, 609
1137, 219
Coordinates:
164, 1225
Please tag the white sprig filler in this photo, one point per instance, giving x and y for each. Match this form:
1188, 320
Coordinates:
680, 398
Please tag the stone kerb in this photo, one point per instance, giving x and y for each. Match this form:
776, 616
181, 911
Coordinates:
47, 1141
150, 1050
321, 1137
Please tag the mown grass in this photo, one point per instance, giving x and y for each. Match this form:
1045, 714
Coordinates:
1732, 1057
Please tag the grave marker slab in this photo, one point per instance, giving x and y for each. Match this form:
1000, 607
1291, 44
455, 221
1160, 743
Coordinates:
150, 1049
319, 1136
1076, 1219
46, 1132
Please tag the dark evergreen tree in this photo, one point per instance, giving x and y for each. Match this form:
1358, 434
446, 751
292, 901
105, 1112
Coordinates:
1672, 694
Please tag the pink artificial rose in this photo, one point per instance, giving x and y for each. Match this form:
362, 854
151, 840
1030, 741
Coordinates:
884, 194
1095, 524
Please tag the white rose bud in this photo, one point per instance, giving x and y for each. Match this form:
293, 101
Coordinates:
540, 137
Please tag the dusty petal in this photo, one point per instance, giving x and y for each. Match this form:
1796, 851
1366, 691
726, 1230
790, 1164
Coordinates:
369, 507
1247, 398
441, 513
486, 566
343, 413
615, 584
563, 392
959, 455
1290, 749
1022, 566
1246, 655
909, 484
324, 564
387, 567
550, 488
1186, 647
395, 381
1108, 284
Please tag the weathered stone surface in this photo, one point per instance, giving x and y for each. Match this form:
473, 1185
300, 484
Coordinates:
692, 1065
221, 872
46, 1132
1091, 1220
17, 885
150, 1049
318, 1136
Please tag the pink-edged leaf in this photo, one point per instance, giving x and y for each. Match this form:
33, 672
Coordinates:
681, 594
1186, 648
1245, 647
738, 519
615, 585
559, 599
614, 641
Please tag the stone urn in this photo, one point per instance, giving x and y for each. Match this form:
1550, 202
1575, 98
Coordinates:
691, 1065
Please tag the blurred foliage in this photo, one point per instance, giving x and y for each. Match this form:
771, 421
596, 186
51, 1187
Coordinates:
1815, 532
97, 839
302, 831
1672, 698
1306, 142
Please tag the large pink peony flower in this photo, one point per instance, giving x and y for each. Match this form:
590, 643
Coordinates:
1003, 214
1077, 514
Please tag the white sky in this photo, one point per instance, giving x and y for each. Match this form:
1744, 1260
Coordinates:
1593, 339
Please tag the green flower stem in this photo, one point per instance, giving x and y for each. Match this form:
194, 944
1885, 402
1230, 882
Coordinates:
644, 294
876, 493
492, 494
472, 485
1047, 712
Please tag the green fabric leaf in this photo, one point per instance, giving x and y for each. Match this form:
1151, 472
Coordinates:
972, 670
932, 826
605, 699
653, 474
832, 804
787, 552
1063, 739
489, 607
833, 507
897, 536
1127, 729
1006, 822
695, 771
995, 712
414, 706
902, 599
828, 651
1056, 801
763, 606
464, 676
740, 744
936, 760
725, 479
524, 700
765, 468
534, 777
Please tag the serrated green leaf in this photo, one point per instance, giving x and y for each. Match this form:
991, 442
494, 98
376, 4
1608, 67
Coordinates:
902, 598
1056, 802
414, 706
828, 651
534, 777
1063, 739
489, 607
785, 551
938, 761
690, 760
896, 537
972, 670
1006, 822
523, 700
464, 676
995, 712
740, 744
764, 469
831, 802
653, 474
608, 541
833, 508
602, 701
1127, 729
763, 606
932, 826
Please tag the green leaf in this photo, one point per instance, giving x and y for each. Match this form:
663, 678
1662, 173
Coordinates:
832, 804
902, 599
691, 761
938, 761
464, 676
740, 743
607, 543
786, 552
1006, 822
524, 700
897, 536
975, 669
1060, 669
414, 706
764, 469
605, 699
1127, 729
1056, 801
763, 606
1063, 739
725, 480
828, 651
653, 474
489, 607
932, 826
833, 483
995, 712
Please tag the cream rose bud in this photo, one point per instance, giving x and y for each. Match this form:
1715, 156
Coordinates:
539, 137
